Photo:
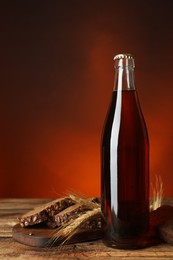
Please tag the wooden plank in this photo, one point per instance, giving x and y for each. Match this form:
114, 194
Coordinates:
27, 204
7, 220
10, 209
6, 228
10, 248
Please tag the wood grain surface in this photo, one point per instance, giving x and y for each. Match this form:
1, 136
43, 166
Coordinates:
10, 209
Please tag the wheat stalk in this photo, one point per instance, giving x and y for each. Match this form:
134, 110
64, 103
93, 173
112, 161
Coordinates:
67, 231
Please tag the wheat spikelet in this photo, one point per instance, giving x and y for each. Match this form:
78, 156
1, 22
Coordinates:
88, 202
156, 201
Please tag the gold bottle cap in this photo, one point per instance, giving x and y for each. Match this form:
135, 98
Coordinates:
123, 56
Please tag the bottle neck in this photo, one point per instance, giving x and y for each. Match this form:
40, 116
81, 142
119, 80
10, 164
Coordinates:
124, 74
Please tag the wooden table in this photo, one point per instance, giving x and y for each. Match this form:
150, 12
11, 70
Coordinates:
10, 209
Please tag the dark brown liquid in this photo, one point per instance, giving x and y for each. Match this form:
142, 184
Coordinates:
125, 173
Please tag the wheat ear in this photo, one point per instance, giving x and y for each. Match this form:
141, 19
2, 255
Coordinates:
88, 202
66, 232
157, 194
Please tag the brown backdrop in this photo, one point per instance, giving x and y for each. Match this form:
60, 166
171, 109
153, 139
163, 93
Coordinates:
56, 78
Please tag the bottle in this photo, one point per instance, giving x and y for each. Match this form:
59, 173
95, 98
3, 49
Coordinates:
125, 164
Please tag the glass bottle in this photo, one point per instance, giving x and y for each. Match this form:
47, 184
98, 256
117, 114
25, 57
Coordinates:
125, 163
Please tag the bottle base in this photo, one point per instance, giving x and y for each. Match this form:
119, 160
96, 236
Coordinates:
131, 245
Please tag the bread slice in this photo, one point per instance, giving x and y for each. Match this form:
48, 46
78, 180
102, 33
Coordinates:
66, 215
45, 212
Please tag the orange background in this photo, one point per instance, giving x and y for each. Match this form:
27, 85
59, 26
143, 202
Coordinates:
56, 79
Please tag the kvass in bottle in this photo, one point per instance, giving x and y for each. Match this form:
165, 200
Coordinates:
125, 163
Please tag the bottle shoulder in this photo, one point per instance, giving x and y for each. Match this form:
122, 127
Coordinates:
125, 116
